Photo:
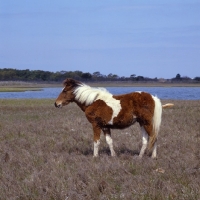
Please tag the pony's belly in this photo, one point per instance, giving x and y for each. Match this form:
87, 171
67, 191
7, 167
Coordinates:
120, 124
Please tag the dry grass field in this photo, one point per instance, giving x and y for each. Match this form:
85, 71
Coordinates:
47, 153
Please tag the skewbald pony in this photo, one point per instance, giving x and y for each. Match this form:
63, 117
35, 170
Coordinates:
106, 111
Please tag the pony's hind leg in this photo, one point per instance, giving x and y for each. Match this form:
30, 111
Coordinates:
145, 138
97, 132
154, 151
109, 140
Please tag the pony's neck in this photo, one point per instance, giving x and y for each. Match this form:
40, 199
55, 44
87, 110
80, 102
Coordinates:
81, 106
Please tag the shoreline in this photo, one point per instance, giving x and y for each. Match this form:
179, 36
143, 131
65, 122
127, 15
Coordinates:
16, 86
24, 89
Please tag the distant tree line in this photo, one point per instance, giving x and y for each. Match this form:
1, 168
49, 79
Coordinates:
9, 74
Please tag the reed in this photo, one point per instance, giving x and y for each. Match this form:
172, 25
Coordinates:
46, 153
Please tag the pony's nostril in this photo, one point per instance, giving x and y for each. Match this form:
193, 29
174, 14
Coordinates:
55, 104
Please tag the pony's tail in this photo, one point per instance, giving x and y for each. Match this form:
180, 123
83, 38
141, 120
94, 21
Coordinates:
167, 105
156, 121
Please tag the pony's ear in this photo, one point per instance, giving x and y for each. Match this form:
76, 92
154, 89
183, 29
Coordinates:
71, 82
66, 82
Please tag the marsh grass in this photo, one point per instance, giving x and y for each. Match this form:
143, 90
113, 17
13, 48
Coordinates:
18, 89
19, 86
46, 153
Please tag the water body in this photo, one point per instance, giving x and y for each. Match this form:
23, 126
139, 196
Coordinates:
176, 93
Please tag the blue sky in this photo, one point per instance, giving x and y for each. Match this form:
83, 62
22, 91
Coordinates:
148, 38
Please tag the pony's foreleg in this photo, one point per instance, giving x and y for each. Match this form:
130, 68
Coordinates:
96, 148
145, 138
109, 140
97, 132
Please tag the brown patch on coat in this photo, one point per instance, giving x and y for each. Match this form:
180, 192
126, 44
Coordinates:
99, 113
136, 104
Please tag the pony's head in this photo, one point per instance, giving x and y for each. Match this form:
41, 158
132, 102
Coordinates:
67, 95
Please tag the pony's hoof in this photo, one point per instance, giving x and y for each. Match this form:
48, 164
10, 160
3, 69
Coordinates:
140, 156
113, 154
137, 157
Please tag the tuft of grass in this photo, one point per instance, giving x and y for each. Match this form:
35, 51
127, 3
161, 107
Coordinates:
47, 153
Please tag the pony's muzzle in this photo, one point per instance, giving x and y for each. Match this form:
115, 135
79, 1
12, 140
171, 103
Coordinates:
58, 105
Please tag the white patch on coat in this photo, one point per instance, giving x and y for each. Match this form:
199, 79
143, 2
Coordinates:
154, 151
110, 144
116, 107
96, 148
63, 89
145, 138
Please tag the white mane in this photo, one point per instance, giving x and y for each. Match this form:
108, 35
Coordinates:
87, 95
